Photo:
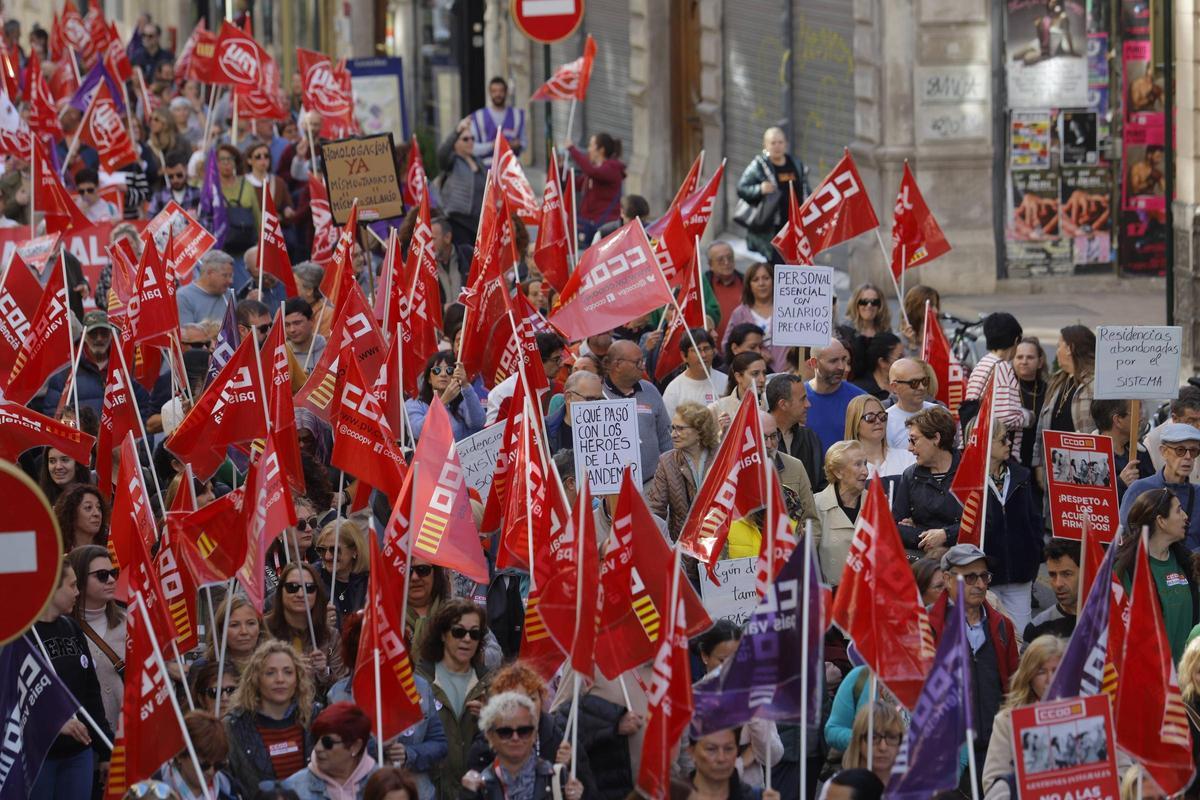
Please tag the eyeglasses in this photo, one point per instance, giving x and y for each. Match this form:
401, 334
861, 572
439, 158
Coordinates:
207, 767
447, 370
87, 191
149, 35
584, 397
322, 550
151, 789
972, 578
639, 362
681, 428
291, 588
871, 417
459, 632
422, 570
106, 575
259, 156
891, 738
509, 732
225, 160
771, 437
329, 742
264, 328
876, 302
915, 383
304, 524
1181, 450
226, 691
201, 345
466, 138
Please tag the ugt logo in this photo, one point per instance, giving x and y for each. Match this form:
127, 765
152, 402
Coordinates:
239, 62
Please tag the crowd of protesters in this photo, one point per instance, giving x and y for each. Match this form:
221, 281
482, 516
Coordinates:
274, 708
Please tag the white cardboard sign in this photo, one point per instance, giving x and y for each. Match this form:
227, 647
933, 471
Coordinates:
1138, 362
803, 315
606, 441
478, 453
736, 597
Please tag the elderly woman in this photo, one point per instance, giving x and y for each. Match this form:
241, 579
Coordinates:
886, 737
446, 377
308, 276
212, 750
510, 722
866, 423
758, 307
838, 505
349, 593
102, 621
927, 514
681, 472
461, 183
340, 763
82, 514
1029, 684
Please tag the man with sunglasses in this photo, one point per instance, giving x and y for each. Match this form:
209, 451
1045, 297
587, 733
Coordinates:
177, 188
1179, 449
93, 206
254, 316
580, 387
910, 387
990, 635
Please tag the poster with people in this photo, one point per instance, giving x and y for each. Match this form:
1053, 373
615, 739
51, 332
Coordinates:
1086, 213
1034, 205
1082, 484
1065, 748
1046, 54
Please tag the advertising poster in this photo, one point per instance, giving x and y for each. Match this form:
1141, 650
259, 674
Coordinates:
1143, 90
1080, 138
1046, 54
1029, 146
1144, 163
1135, 19
379, 102
1086, 213
1033, 205
1082, 484
1142, 247
1064, 748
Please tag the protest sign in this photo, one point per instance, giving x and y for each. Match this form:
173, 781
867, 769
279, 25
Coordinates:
1138, 362
191, 239
1064, 748
34, 252
1082, 483
606, 441
477, 453
735, 597
803, 306
86, 244
362, 168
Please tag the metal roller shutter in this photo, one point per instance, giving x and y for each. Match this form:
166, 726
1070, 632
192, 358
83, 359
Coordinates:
754, 49
607, 107
822, 83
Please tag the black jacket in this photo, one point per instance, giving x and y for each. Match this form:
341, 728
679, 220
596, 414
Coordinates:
927, 503
493, 789
1013, 534
350, 595
607, 750
249, 762
63, 641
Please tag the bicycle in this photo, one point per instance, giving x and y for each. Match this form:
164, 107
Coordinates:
963, 336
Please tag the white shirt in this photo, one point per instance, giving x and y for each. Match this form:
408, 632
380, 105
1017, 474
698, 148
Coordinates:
689, 390
896, 461
897, 432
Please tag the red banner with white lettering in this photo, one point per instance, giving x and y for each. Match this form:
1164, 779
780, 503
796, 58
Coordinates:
1082, 485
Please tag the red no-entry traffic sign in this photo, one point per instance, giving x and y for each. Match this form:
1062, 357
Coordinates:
547, 21
30, 551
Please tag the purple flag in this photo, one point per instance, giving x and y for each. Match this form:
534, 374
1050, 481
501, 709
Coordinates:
212, 201
34, 705
227, 342
91, 83
762, 679
1081, 671
928, 759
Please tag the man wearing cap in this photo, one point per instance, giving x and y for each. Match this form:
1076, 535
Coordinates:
990, 635
1179, 447
92, 373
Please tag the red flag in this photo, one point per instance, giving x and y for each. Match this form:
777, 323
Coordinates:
635, 589
272, 249
936, 352
691, 304
185, 62
51, 197
553, 245
75, 34
778, 539
444, 525
103, 127
616, 280
43, 118
416, 184
669, 706
118, 418
970, 480
325, 93
916, 236
791, 241
839, 209
391, 279
264, 100
56, 38
48, 345
732, 488
269, 512
507, 170
419, 306
354, 329
180, 592
1093, 557
150, 102
690, 182
1149, 714
20, 295
149, 733
513, 342
155, 315
570, 81
325, 233
673, 247
568, 600
877, 603
188, 240
237, 59
230, 411
217, 534
116, 60
363, 444
8, 69
497, 499
22, 429
340, 270
529, 506
383, 633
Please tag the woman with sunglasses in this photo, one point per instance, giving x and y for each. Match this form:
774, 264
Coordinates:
102, 621
510, 723
299, 598
1160, 513
461, 182
212, 750
270, 715
926, 513
452, 662
866, 423
341, 763
202, 681
296, 541
1013, 531
868, 315
428, 588
447, 378
758, 306
353, 565
82, 514
258, 159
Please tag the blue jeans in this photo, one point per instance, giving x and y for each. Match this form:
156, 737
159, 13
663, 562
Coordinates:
65, 778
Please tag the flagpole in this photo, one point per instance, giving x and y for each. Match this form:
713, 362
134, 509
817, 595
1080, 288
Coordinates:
316, 329
583, 508
804, 666
312, 632
874, 689
408, 546
212, 102
158, 657
137, 412
224, 641
35, 180
83, 712
571, 116
266, 187
405, 424
187, 693
378, 705
386, 283
574, 216
68, 289
312, 150
887, 263
679, 312
70, 385
337, 531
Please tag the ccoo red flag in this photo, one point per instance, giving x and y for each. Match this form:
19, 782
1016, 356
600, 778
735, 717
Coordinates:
568, 603
691, 304
971, 477
506, 169
180, 590
690, 182
22, 429
553, 246
272, 249
268, 513
1149, 714
48, 345
916, 236
570, 81
936, 352
839, 209
118, 418
669, 707
778, 540
791, 241
354, 330
877, 603
216, 534
363, 444
20, 294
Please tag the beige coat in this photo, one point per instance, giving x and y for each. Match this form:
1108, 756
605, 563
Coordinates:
112, 685
834, 535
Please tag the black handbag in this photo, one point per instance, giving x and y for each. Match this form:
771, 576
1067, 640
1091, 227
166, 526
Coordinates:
241, 233
757, 215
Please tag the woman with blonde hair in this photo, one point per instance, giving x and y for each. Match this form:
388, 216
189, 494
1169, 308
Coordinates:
246, 631
681, 472
887, 734
866, 423
270, 715
1029, 684
353, 565
838, 505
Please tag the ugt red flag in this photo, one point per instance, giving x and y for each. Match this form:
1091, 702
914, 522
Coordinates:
839, 209
877, 604
615, 281
237, 60
415, 182
1149, 713
48, 345
103, 127
326, 94
669, 702
506, 169
936, 352
916, 235
970, 480
570, 81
